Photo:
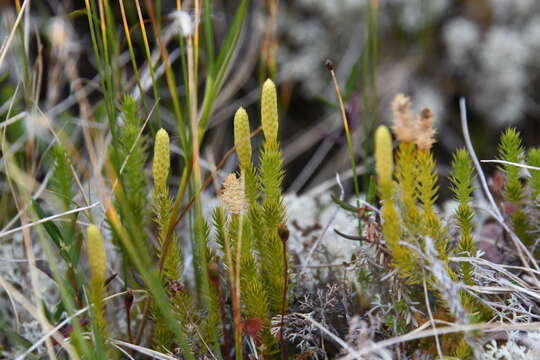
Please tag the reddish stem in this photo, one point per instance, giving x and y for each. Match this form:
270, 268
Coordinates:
284, 236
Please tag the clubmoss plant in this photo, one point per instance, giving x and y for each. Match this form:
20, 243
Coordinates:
273, 211
384, 165
132, 153
175, 287
427, 188
415, 191
254, 293
533, 159
462, 179
128, 157
178, 292
404, 128
511, 150
248, 228
419, 239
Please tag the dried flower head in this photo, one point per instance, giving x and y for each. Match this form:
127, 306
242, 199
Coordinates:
426, 133
60, 33
404, 124
183, 22
37, 124
232, 194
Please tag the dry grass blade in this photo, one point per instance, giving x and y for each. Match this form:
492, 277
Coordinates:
415, 335
144, 350
524, 166
49, 218
6, 44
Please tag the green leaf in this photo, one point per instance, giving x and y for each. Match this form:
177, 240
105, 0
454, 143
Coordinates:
511, 150
216, 77
51, 228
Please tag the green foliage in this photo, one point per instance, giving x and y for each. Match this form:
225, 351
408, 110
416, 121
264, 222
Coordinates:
247, 228
426, 186
248, 279
404, 260
273, 215
178, 294
462, 179
132, 152
119, 175
427, 192
220, 66
533, 159
406, 176
62, 179
128, 154
511, 150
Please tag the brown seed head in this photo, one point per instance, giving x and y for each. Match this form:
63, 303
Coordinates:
426, 132
329, 65
213, 271
283, 232
404, 125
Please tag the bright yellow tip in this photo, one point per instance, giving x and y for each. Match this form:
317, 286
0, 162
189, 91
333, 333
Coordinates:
161, 163
96, 255
383, 155
242, 139
269, 111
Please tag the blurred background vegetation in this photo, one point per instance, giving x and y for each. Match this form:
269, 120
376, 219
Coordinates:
433, 50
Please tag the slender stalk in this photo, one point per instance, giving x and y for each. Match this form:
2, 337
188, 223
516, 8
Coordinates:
169, 77
148, 54
284, 236
196, 38
214, 279
199, 258
330, 67
234, 295
132, 55
236, 313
